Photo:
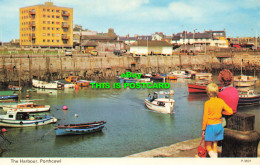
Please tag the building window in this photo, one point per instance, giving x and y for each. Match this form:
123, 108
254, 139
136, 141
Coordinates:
52, 28
57, 28
48, 40
57, 11
44, 16
48, 22
43, 34
48, 28
48, 16
53, 35
57, 16
48, 10
58, 41
52, 40
52, 22
57, 35
43, 40
48, 34
44, 9
44, 28
57, 23
52, 16
44, 22
52, 10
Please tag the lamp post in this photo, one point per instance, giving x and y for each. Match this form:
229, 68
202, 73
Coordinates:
80, 42
194, 40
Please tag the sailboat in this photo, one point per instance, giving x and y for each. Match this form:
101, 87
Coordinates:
244, 80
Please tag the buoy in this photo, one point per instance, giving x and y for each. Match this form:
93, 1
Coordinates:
76, 115
77, 86
172, 92
4, 130
65, 107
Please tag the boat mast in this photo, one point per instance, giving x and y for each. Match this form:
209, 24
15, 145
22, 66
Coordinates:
241, 65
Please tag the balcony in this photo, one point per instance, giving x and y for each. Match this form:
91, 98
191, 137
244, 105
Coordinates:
65, 14
65, 37
32, 12
65, 25
33, 37
32, 24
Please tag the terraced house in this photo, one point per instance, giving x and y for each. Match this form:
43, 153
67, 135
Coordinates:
46, 26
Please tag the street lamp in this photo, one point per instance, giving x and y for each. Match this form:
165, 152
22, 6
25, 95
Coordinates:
194, 40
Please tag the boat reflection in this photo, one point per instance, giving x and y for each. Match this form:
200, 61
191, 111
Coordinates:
197, 97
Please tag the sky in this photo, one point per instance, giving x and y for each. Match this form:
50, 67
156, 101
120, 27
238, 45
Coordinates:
240, 18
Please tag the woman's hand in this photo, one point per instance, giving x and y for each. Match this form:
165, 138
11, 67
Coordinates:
203, 134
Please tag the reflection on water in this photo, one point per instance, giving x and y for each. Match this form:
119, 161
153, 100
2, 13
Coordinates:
130, 128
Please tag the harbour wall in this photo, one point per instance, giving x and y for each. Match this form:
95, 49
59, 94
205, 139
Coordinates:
53, 67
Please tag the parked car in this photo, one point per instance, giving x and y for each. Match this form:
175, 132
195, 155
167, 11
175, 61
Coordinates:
94, 52
68, 53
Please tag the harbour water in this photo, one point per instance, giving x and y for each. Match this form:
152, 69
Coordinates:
130, 128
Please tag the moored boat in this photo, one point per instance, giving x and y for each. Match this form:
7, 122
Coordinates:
199, 87
23, 119
248, 97
27, 107
65, 84
72, 79
161, 102
45, 85
180, 74
82, 128
203, 76
244, 81
157, 77
14, 88
8, 95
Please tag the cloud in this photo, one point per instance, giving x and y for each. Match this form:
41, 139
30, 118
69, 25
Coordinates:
145, 16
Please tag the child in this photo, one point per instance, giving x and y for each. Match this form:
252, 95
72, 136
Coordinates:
212, 129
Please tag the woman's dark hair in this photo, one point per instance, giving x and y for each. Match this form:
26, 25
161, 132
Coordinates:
225, 77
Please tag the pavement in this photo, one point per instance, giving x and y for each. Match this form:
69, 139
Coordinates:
183, 149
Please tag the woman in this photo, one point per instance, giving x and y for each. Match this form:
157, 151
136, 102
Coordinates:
212, 129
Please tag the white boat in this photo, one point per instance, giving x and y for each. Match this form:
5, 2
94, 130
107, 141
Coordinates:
161, 102
248, 97
27, 107
203, 76
23, 119
144, 80
65, 84
45, 85
244, 81
180, 74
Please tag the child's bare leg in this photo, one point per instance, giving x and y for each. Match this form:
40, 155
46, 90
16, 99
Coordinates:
209, 148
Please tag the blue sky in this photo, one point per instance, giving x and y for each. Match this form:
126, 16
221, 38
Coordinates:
144, 17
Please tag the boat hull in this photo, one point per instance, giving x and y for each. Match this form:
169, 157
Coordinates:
26, 123
79, 130
253, 100
29, 110
195, 88
167, 108
8, 97
44, 85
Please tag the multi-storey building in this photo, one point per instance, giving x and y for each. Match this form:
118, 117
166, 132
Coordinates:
46, 26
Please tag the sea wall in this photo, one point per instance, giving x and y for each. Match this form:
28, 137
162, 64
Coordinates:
51, 67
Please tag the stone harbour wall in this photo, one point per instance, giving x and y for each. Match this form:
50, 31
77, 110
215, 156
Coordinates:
54, 67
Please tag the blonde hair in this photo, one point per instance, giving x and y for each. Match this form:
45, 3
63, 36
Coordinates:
212, 90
